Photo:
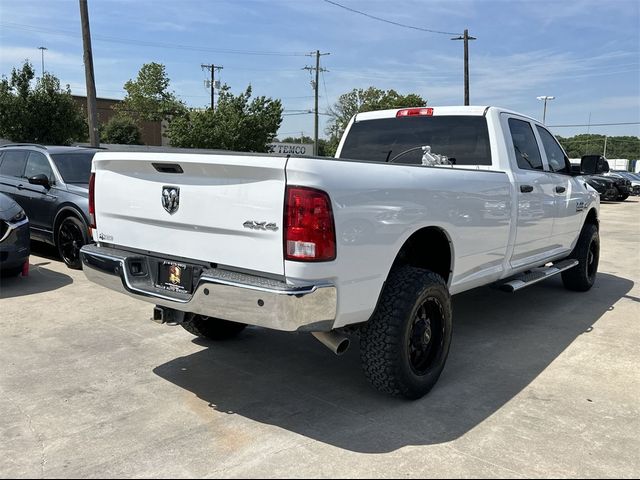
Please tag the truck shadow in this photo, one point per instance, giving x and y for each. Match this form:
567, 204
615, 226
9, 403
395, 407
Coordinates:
501, 343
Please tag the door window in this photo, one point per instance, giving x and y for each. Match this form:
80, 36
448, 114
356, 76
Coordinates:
525, 145
13, 162
38, 164
557, 160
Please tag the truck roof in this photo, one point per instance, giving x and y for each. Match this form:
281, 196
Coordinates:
473, 110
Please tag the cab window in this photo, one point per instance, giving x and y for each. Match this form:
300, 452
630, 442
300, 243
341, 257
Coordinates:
558, 161
525, 145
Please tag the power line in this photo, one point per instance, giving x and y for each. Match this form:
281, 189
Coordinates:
103, 38
390, 21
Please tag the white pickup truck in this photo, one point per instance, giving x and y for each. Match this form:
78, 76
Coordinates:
419, 204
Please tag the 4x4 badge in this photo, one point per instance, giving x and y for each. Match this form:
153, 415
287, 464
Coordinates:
171, 198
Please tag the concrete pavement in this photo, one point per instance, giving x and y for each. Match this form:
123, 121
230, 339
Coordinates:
541, 383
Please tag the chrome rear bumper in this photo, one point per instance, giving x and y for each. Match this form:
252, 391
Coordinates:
217, 293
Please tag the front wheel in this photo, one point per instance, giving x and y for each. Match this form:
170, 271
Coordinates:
210, 327
587, 251
405, 344
622, 198
70, 237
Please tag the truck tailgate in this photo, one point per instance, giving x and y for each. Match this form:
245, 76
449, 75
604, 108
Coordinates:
222, 202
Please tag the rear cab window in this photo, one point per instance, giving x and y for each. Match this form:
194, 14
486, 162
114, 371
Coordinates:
463, 139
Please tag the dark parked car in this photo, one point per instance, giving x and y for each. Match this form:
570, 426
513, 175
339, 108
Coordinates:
14, 237
598, 165
605, 186
634, 178
52, 185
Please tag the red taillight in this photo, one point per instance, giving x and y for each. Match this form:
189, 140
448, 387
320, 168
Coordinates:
309, 232
414, 112
92, 200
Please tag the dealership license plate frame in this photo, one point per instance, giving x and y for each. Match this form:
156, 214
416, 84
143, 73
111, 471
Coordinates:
175, 277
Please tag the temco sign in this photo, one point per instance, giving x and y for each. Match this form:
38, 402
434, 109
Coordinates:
302, 149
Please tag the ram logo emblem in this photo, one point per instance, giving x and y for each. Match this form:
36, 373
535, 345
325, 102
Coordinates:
171, 198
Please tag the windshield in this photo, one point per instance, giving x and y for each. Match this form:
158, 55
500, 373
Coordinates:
74, 167
464, 140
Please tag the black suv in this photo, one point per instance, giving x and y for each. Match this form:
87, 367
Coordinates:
51, 184
598, 167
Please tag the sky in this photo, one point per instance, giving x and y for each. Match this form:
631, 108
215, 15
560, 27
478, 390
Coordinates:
585, 53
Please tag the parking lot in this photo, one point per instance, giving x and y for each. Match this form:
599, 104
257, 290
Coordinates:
542, 383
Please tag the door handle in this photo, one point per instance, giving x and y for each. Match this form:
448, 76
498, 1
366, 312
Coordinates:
526, 188
20, 187
560, 189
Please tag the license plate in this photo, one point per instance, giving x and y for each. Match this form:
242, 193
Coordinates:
175, 276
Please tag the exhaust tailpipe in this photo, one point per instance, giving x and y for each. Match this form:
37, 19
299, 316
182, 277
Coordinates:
335, 342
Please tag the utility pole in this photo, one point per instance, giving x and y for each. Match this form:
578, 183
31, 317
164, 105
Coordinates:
212, 68
92, 110
604, 153
317, 69
466, 39
42, 49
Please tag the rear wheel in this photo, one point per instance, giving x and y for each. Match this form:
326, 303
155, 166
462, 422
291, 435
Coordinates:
211, 327
622, 198
587, 251
404, 346
70, 237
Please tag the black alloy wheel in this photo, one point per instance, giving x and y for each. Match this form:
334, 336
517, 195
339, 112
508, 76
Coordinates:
405, 343
71, 236
587, 251
426, 335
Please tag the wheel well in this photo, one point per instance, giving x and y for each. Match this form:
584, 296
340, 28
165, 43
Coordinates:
428, 248
592, 218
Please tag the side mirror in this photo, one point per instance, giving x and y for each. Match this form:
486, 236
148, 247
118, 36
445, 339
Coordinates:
594, 165
40, 179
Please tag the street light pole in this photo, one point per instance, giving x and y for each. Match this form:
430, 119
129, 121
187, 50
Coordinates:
544, 111
42, 49
466, 39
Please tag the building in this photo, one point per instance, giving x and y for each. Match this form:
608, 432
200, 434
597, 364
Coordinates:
151, 133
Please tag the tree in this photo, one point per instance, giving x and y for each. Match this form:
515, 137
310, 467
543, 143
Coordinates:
44, 113
120, 129
148, 97
617, 147
237, 124
360, 100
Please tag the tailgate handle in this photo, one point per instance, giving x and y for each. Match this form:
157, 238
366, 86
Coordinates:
168, 167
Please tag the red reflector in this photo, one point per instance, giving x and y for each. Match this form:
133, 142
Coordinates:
414, 112
92, 200
309, 233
